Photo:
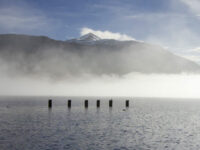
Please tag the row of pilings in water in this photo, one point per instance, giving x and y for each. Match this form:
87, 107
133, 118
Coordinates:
86, 103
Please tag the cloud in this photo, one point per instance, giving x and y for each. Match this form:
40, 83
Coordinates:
192, 54
197, 49
194, 5
106, 34
194, 58
152, 16
16, 18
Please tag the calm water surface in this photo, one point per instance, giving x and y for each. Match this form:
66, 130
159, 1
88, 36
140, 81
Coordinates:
26, 123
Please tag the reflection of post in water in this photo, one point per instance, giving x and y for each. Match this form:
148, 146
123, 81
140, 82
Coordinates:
69, 111
49, 116
97, 110
110, 110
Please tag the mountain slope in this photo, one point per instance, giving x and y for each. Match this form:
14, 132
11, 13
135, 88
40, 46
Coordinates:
42, 56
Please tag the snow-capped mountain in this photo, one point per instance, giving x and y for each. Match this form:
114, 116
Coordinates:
40, 55
89, 38
92, 39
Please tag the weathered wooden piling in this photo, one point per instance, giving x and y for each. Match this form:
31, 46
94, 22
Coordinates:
86, 103
127, 103
50, 103
69, 103
110, 103
98, 103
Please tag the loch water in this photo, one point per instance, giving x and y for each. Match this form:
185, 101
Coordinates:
26, 123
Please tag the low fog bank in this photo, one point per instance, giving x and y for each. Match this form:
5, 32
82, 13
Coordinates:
133, 84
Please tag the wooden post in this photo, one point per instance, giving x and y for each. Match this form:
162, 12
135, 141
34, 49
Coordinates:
110, 103
50, 103
127, 103
98, 103
86, 103
69, 103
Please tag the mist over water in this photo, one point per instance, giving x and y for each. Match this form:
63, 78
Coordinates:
133, 84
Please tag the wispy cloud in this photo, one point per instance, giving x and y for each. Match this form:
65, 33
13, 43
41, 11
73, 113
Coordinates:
106, 34
194, 5
197, 49
152, 16
194, 58
15, 18
191, 54
174, 29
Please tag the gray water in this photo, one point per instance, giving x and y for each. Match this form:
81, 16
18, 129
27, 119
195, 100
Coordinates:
26, 123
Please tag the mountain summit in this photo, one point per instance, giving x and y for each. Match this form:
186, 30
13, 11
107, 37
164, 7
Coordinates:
89, 37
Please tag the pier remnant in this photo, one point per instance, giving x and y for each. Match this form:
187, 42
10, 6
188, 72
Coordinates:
69, 103
98, 103
110, 103
86, 103
50, 103
127, 103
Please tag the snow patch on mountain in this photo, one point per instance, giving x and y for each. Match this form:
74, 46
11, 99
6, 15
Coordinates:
89, 37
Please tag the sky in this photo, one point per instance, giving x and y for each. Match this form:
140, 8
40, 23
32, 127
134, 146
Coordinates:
173, 24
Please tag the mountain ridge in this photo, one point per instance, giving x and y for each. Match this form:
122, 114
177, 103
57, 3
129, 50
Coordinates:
41, 55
